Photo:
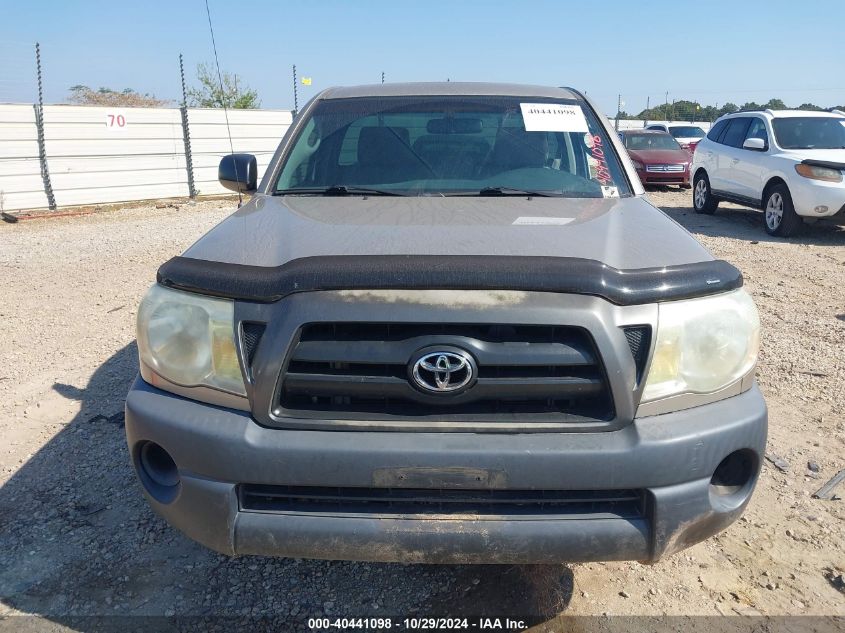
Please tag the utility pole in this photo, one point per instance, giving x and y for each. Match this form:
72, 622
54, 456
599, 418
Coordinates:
647, 108
666, 106
382, 76
295, 95
618, 110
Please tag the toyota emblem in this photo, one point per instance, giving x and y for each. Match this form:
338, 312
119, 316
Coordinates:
442, 371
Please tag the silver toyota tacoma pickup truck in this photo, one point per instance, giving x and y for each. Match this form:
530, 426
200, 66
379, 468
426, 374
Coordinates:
448, 326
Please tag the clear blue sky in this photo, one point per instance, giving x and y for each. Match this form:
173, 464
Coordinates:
712, 51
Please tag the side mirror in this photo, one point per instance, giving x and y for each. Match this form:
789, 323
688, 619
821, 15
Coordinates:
756, 144
238, 172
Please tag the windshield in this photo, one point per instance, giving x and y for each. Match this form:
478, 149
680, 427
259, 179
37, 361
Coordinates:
650, 141
687, 131
810, 132
471, 145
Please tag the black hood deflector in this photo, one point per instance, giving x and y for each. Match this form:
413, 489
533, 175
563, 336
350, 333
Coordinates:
568, 275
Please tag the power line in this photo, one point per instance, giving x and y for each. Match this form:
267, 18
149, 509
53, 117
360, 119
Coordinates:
223, 97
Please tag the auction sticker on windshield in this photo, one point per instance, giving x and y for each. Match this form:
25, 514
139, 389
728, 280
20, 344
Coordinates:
553, 117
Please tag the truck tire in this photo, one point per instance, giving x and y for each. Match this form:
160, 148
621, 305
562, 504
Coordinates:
702, 196
779, 217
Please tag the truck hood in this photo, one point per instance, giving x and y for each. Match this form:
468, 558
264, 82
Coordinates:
625, 233
660, 156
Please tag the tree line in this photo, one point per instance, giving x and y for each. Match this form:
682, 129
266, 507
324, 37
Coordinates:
209, 91
693, 110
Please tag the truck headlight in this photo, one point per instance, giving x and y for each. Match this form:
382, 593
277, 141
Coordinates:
189, 339
703, 345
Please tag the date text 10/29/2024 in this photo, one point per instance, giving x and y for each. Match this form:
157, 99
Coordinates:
417, 624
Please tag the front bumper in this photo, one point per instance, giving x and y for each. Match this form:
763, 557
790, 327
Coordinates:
817, 198
670, 458
664, 178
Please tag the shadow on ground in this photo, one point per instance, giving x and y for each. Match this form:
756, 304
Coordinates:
78, 540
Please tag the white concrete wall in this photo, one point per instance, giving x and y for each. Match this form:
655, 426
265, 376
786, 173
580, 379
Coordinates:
101, 154
256, 132
20, 170
93, 159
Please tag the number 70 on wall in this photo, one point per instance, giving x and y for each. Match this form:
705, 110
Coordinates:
115, 121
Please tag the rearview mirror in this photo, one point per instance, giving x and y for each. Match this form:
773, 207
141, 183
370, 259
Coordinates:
238, 172
756, 144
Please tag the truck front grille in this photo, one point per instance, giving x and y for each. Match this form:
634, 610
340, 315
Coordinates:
442, 502
529, 373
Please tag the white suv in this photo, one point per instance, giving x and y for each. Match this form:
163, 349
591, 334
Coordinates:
790, 163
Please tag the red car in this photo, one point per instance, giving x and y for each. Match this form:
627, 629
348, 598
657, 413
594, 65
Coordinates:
657, 157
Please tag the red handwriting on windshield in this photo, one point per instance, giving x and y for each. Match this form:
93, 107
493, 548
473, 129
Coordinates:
602, 171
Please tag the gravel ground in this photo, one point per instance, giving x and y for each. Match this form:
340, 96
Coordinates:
77, 539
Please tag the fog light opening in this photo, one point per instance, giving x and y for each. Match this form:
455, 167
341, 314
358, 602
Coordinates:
158, 472
733, 478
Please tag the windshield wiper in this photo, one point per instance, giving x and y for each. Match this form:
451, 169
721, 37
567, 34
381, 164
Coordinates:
337, 190
509, 191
